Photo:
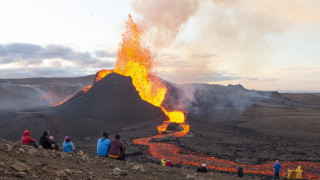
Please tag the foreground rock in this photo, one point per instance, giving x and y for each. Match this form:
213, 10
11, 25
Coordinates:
30, 163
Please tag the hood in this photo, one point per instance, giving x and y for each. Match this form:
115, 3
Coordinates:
103, 140
26, 133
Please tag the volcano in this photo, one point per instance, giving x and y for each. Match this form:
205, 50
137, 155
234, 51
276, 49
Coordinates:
111, 104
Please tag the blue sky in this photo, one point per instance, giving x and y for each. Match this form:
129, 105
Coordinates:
265, 45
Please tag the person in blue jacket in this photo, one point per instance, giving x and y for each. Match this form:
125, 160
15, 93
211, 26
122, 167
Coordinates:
103, 145
276, 167
68, 145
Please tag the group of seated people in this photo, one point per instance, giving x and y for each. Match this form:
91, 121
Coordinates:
47, 142
105, 147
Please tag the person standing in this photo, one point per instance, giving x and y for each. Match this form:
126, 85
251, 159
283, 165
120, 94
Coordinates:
103, 145
44, 140
276, 167
116, 149
27, 140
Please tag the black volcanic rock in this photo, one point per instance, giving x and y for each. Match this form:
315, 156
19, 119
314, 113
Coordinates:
112, 100
111, 104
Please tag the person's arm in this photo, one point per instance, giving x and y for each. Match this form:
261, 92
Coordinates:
30, 139
121, 146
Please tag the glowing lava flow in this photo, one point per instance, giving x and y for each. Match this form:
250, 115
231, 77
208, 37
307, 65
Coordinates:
178, 155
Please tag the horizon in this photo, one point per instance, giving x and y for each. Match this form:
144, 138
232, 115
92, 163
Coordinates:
268, 45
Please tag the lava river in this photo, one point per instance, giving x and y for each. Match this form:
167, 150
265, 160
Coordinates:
179, 155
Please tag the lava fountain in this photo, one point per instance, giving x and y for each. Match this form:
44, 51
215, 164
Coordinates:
135, 60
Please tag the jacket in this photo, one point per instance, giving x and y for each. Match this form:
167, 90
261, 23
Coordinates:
168, 163
277, 167
44, 141
26, 139
202, 169
103, 146
68, 147
163, 162
115, 147
54, 144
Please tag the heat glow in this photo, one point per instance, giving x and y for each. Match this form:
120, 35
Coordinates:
135, 60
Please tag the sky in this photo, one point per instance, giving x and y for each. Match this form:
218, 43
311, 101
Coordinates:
263, 45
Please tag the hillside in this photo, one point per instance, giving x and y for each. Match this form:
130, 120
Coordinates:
19, 161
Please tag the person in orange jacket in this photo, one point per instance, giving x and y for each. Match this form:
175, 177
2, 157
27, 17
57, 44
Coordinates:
27, 140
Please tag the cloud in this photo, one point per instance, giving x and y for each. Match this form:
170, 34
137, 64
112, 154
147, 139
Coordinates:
31, 54
102, 53
163, 20
18, 72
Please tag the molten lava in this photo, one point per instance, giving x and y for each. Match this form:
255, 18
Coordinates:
135, 60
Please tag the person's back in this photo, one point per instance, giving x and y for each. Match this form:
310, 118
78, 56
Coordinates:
44, 140
163, 162
53, 143
116, 147
168, 163
68, 145
26, 139
203, 168
103, 145
277, 167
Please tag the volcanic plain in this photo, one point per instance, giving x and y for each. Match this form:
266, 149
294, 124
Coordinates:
226, 122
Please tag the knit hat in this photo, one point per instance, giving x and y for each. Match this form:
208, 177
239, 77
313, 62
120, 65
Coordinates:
67, 138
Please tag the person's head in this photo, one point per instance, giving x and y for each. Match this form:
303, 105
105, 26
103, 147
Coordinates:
67, 138
204, 165
105, 135
26, 133
168, 160
51, 138
117, 136
45, 133
277, 161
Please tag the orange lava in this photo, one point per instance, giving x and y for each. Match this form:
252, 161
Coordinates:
178, 155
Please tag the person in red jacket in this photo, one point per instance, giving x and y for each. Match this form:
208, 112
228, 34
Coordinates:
27, 140
168, 163
116, 149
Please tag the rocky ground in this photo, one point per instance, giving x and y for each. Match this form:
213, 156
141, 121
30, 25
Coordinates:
19, 161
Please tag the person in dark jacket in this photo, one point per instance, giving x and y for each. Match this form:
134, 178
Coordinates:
27, 140
53, 143
240, 172
103, 145
203, 168
116, 149
44, 140
276, 167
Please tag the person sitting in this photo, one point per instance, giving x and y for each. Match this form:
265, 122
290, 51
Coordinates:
163, 162
103, 145
44, 140
168, 163
203, 168
240, 172
53, 143
68, 145
27, 140
116, 149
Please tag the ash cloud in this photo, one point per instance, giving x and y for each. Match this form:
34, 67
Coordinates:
163, 20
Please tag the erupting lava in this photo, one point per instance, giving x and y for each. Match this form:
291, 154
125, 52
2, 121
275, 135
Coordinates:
136, 61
